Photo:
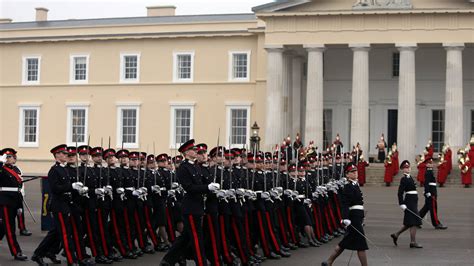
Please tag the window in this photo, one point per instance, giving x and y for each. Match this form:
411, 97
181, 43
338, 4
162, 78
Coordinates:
239, 67
29, 126
437, 129
183, 67
238, 127
182, 116
327, 127
31, 70
472, 122
79, 68
77, 121
128, 125
395, 64
129, 67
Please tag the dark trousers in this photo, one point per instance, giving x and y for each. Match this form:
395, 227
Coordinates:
211, 238
118, 230
21, 221
239, 239
7, 215
104, 233
191, 238
78, 233
147, 212
91, 229
431, 205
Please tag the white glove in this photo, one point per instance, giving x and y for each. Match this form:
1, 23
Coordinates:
99, 191
3, 159
174, 185
307, 202
77, 185
120, 190
144, 190
428, 195
84, 190
155, 189
108, 189
19, 211
403, 206
171, 193
265, 195
346, 222
136, 193
288, 192
213, 186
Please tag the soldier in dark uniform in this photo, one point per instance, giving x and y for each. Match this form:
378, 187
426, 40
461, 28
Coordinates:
353, 215
163, 218
193, 209
431, 197
166, 174
132, 193
409, 204
11, 200
149, 184
158, 197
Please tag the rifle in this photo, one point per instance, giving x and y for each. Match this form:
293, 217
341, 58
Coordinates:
230, 168
264, 175
154, 172
254, 165
100, 169
88, 151
77, 163
215, 169
108, 168
222, 170
278, 166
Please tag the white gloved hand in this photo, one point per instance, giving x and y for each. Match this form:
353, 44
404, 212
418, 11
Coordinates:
144, 190
346, 222
120, 190
428, 194
403, 206
99, 191
108, 189
155, 189
136, 192
77, 185
84, 190
307, 202
288, 192
19, 211
265, 195
3, 159
213, 186
174, 185
171, 193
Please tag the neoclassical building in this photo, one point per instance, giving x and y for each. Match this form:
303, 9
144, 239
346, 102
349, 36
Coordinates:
364, 68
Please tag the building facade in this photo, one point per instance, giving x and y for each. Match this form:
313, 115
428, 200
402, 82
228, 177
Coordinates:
401, 68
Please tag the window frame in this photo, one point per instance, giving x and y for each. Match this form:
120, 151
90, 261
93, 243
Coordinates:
24, 75
122, 67
231, 66
70, 108
120, 108
393, 70
72, 69
443, 130
173, 107
237, 106
329, 138
176, 78
21, 125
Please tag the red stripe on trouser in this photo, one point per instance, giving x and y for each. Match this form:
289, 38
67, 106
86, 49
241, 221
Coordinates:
139, 230
89, 233
21, 222
76, 238
127, 229
239, 243
64, 235
170, 225
150, 230
262, 234
213, 240
316, 221
434, 206
282, 228
247, 233
338, 207
11, 243
328, 222
272, 235
321, 227
196, 241
224, 240
290, 224
332, 218
102, 233
116, 232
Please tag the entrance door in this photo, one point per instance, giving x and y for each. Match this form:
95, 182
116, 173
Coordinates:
392, 127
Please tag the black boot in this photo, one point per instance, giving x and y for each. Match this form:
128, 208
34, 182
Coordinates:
102, 260
21, 257
53, 258
39, 260
25, 232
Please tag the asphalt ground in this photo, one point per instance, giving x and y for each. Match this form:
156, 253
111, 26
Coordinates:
454, 246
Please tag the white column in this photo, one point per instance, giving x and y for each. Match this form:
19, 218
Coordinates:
274, 101
296, 87
360, 96
406, 134
453, 125
314, 96
287, 104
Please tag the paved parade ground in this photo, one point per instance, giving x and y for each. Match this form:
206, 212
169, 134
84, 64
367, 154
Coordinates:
454, 246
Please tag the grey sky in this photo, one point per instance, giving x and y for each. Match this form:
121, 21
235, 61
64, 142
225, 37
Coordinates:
23, 10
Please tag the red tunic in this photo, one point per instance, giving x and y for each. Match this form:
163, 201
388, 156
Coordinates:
471, 154
361, 171
431, 151
395, 163
442, 172
466, 174
421, 173
448, 156
388, 177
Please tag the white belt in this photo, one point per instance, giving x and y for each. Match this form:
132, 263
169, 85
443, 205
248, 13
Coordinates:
413, 192
10, 189
301, 197
432, 184
259, 192
130, 188
356, 207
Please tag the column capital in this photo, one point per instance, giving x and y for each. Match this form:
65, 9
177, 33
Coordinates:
453, 46
274, 48
314, 47
359, 46
406, 46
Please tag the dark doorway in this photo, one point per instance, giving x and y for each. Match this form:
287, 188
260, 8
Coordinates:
392, 127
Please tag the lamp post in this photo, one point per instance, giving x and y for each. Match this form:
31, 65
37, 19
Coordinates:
255, 138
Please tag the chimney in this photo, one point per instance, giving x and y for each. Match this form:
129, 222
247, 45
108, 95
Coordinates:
41, 14
5, 20
160, 11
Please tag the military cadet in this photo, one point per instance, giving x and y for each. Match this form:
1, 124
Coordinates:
431, 197
193, 208
164, 169
361, 165
149, 184
62, 187
159, 194
388, 175
353, 215
132, 193
408, 201
11, 200
176, 209
139, 195
21, 217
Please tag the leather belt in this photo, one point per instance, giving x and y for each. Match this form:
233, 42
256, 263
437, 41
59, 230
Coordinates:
10, 189
413, 192
356, 207
432, 184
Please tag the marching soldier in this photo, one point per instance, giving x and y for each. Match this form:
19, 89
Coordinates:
431, 197
442, 169
361, 165
408, 201
11, 200
159, 194
388, 176
381, 145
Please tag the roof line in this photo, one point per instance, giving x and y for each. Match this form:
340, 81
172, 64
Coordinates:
278, 5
